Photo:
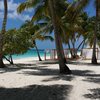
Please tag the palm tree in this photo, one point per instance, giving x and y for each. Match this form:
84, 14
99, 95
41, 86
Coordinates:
30, 27
62, 65
73, 20
16, 42
35, 30
97, 31
2, 33
97, 2
42, 13
48, 10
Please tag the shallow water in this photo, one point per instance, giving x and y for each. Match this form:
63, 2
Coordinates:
29, 53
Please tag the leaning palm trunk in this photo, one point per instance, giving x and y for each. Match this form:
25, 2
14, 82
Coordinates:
63, 68
11, 59
2, 33
38, 53
83, 45
80, 45
34, 43
97, 31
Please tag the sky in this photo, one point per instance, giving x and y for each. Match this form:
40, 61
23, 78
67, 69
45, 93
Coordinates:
15, 20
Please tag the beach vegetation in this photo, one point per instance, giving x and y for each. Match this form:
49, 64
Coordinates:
96, 32
83, 3
67, 20
51, 8
16, 41
35, 31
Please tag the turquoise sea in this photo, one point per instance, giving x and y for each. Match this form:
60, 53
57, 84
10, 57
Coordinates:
32, 53
29, 53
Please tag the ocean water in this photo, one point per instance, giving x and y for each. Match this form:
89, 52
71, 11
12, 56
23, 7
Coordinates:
29, 53
33, 53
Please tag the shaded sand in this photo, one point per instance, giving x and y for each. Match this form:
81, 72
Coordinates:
30, 79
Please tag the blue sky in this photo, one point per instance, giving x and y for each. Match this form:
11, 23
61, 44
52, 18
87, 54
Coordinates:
15, 20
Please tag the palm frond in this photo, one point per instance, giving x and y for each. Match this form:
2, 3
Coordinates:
28, 4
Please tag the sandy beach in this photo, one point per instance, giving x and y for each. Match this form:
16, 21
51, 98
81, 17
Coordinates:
29, 79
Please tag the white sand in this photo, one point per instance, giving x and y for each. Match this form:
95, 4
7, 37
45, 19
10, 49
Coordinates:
30, 79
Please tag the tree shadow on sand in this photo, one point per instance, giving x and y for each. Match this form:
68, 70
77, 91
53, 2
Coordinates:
85, 73
93, 79
95, 94
54, 73
59, 77
40, 71
89, 76
82, 63
17, 67
36, 92
43, 71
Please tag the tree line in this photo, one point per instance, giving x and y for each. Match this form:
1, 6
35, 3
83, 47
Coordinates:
67, 20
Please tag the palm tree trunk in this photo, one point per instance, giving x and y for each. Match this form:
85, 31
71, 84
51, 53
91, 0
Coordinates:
83, 45
70, 50
11, 60
38, 53
62, 66
80, 44
2, 33
1, 61
73, 50
62, 50
34, 43
94, 59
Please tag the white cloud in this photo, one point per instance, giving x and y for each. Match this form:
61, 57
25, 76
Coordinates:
12, 11
14, 15
11, 5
